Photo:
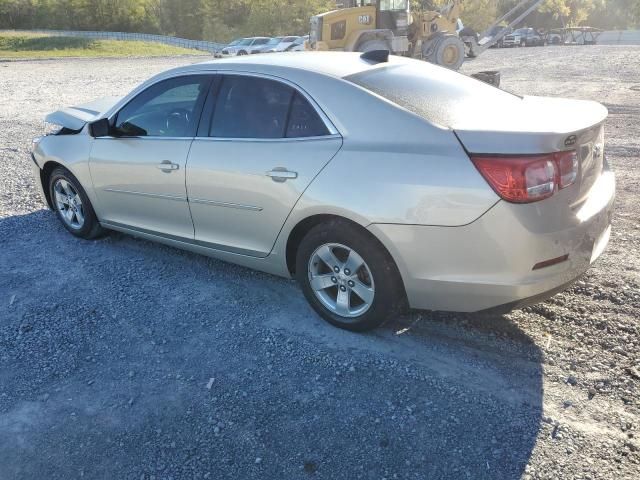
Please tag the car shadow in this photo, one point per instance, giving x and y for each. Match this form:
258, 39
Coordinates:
121, 358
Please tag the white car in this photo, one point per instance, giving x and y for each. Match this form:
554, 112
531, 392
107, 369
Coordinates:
285, 43
244, 46
298, 45
266, 47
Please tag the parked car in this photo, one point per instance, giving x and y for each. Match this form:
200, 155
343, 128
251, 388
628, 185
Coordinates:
477, 199
523, 37
298, 44
244, 46
285, 43
266, 47
230, 45
497, 30
554, 37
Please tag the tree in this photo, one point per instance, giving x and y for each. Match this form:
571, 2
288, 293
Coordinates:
16, 13
479, 14
571, 12
615, 14
222, 20
284, 17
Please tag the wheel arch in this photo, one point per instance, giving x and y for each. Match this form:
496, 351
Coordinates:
306, 224
45, 174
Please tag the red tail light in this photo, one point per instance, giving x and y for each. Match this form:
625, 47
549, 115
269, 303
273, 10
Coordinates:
528, 178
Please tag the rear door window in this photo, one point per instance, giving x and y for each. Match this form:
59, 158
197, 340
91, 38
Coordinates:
255, 107
251, 107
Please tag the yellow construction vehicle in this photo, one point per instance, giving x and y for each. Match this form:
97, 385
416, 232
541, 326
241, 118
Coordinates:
434, 36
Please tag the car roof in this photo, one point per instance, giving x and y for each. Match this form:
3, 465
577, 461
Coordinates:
334, 64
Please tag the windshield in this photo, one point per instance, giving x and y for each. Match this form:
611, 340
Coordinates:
274, 41
289, 39
235, 42
386, 5
245, 41
261, 41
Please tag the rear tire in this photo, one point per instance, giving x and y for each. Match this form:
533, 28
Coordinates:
72, 206
348, 277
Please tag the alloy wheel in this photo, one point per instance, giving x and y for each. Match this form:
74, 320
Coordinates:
341, 280
68, 204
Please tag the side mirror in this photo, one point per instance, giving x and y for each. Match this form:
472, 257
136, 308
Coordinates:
100, 128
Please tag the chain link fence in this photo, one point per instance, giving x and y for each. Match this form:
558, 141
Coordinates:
624, 37
141, 37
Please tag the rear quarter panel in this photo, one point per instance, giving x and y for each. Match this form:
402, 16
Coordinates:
393, 167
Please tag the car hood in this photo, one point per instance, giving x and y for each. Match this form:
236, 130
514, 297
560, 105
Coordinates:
74, 118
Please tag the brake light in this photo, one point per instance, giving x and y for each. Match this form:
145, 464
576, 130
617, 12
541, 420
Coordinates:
528, 178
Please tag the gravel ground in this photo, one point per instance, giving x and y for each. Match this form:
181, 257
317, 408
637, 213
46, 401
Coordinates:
123, 359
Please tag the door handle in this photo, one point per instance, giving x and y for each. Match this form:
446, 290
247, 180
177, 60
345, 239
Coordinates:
167, 166
280, 174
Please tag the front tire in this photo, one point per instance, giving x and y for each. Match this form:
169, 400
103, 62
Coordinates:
72, 206
348, 277
445, 50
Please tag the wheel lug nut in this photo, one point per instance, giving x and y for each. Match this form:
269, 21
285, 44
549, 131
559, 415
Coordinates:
352, 283
334, 279
347, 271
336, 269
343, 288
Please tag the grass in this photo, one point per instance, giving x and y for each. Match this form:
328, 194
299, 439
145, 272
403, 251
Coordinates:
19, 46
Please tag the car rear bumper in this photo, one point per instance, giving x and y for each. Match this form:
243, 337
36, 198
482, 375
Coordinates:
490, 263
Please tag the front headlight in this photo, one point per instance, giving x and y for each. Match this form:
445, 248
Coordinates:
51, 128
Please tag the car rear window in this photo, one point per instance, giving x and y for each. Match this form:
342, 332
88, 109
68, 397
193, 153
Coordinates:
438, 95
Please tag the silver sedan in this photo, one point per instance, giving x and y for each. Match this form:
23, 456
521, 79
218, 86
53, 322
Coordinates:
378, 182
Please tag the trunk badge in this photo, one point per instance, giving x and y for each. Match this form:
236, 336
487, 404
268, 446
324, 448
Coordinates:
570, 140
